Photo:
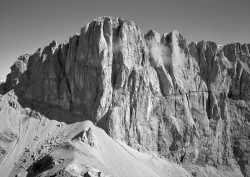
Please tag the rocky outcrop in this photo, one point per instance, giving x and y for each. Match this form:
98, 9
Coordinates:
185, 102
17, 72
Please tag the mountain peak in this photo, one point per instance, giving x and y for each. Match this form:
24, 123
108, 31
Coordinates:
187, 103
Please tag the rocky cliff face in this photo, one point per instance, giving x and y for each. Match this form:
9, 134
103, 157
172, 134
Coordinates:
158, 94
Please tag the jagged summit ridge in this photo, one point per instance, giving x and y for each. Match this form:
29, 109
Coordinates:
154, 92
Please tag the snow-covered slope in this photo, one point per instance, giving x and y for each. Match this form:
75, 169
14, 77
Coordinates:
32, 145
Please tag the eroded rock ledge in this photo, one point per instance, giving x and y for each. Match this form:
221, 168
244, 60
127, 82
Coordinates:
185, 102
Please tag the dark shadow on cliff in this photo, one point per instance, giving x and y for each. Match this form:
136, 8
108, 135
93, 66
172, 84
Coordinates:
2, 88
51, 112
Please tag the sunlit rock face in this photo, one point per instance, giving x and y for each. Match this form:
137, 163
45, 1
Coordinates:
185, 102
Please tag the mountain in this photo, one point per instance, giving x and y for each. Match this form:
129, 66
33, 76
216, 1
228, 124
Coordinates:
169, 108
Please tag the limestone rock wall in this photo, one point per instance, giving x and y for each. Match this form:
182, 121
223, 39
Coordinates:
185, 102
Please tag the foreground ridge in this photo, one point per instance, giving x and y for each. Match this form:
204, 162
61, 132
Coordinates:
188, 103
